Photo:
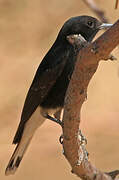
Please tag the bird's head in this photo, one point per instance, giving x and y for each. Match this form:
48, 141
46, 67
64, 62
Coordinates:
87, 26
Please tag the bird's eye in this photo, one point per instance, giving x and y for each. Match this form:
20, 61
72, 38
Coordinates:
90, 24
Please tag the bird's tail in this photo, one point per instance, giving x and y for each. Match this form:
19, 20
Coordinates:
30, 127
17, 156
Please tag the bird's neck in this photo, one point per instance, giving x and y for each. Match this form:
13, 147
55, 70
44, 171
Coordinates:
61, 46
60, 49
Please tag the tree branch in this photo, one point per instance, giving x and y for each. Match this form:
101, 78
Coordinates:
116, 4
99, 12
87, 63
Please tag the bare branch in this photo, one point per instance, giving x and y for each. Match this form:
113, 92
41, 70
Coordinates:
116, 4
87, 63
99, 12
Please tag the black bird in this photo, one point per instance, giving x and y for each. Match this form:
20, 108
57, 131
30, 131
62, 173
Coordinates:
47, 91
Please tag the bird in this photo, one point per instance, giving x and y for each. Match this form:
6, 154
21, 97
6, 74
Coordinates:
48, 88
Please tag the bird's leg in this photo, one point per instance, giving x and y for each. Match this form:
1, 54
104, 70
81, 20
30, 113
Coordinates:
53, 119
57, 116
59, 122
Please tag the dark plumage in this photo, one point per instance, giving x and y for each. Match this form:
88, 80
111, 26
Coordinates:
47, 91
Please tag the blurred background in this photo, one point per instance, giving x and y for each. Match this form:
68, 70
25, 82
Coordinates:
27, 30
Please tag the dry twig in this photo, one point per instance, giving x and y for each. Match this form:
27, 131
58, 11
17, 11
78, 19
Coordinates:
87, 63
99, 12
116, 4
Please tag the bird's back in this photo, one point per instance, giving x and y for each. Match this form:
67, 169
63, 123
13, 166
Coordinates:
56, 95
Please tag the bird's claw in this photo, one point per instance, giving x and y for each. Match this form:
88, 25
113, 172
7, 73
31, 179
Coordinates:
61, 139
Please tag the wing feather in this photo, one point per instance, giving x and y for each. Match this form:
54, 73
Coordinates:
40, 86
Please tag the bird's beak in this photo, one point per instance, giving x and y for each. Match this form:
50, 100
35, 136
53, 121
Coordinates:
105, 26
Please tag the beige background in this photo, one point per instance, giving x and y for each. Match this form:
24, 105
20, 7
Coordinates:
27, 30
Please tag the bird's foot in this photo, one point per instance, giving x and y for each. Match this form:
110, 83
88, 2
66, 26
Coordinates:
82, 138
61, 139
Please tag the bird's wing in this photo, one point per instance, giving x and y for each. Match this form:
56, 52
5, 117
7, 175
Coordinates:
40, 86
